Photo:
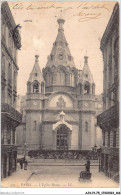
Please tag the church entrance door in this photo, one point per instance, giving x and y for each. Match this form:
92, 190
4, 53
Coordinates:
62, 137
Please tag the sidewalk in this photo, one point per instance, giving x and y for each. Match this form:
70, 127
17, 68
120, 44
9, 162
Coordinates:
17, 179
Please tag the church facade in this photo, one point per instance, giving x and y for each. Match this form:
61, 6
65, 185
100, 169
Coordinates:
61, 106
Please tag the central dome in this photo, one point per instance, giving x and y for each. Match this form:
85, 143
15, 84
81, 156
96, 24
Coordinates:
60, 54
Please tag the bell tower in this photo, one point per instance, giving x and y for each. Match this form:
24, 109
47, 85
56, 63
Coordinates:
35, 87
86, 84
34, 102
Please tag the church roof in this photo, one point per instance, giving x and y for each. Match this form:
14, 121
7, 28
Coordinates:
60, 54
36, 72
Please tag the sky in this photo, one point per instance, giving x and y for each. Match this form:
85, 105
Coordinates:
85, 23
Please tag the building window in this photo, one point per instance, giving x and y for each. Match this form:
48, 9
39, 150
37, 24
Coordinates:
35, 125
108, 138
114, 139
54, 78
47, 77
9, 136
35, 74
52, 57
9, 73
60, 78
13, 136
87, 88
60, 56
71, 80
86, 126
103, 138
42, 88
35, 87
62, 137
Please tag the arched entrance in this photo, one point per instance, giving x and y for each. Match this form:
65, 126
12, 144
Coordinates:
62, 137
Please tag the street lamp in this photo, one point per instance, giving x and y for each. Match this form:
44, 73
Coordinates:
99, 153
25, 149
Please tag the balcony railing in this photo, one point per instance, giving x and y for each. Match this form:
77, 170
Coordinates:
110, 150
6, 108
109, 115
8, 148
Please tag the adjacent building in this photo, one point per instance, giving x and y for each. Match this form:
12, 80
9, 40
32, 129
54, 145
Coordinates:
109, 119
10, 117
61, 105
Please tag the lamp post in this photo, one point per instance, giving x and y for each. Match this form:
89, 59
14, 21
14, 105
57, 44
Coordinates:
99, 159
25, 149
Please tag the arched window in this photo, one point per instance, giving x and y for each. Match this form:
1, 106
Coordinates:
114, 138
71, 80
60, 56
42, 88
108, 138
86, 126
60, 78
54, 78
62, 137
87, 87
35, 124
47, 78
35, 87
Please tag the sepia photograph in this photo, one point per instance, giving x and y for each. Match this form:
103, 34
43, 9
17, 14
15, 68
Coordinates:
60, 94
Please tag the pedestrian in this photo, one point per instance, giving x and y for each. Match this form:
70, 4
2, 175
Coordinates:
25, 164
21, 163
24, 159
88, 166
